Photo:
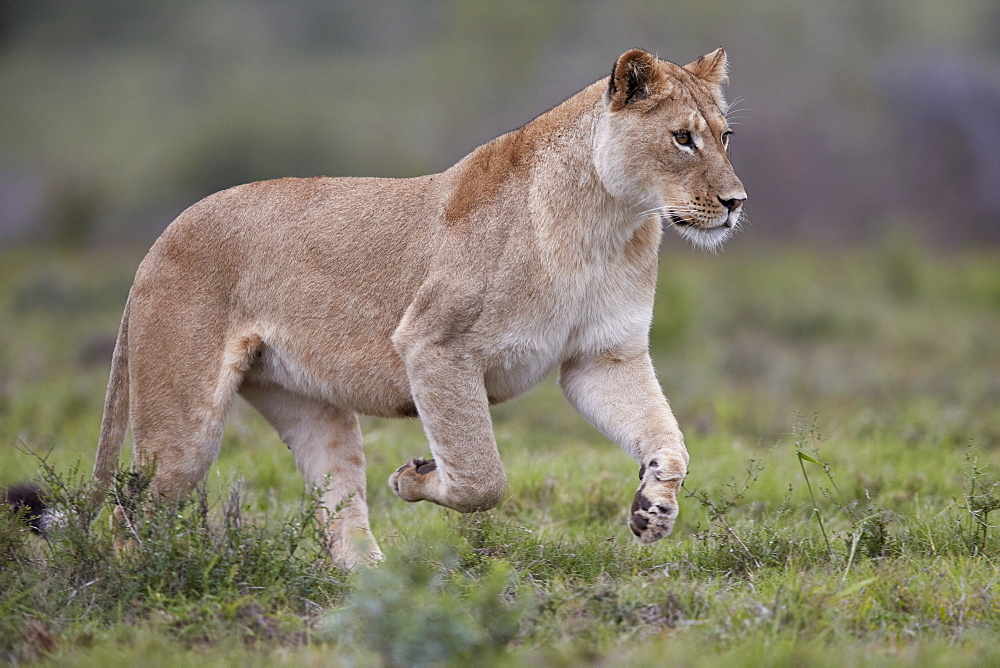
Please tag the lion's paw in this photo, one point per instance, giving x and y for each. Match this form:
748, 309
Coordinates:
652, 518
654, 508
410, 478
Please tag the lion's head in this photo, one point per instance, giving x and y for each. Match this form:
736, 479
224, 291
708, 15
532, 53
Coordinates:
662, 145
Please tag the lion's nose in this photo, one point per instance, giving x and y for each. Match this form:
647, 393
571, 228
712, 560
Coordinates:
733, 204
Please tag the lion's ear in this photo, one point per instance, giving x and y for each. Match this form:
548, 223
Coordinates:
712, 68
634, 77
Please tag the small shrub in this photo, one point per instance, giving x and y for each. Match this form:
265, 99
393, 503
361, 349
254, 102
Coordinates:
981, 493
738, 558
414, 612
203, 571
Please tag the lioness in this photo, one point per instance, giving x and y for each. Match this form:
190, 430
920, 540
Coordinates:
321, 299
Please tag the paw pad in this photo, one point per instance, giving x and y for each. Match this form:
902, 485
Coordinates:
425, 466
406, 481
651, 519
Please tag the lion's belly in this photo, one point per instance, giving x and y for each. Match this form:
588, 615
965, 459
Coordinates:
360, 370
367, 378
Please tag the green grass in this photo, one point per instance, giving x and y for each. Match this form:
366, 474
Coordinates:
842, 411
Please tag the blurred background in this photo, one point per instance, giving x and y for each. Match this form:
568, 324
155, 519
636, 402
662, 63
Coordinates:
857, 117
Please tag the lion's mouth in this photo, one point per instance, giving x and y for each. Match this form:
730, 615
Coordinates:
709, 238
680, 221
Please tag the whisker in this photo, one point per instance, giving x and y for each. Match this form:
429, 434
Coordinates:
682, 211
733, 109
673, 205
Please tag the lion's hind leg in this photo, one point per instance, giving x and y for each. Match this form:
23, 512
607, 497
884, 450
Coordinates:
179, 398
178, 418
327, 445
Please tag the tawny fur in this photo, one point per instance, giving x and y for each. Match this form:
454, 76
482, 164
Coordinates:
321, 299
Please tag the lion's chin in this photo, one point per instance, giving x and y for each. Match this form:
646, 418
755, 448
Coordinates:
710, 238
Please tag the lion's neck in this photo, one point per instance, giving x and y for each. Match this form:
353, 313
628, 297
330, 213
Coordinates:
573, 207
543, 175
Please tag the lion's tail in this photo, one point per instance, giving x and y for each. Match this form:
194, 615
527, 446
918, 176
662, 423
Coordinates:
28, 499
115, 420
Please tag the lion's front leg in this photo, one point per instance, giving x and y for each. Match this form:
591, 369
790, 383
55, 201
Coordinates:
466, 473
618, 393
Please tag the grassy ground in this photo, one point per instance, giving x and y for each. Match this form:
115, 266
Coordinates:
842, 410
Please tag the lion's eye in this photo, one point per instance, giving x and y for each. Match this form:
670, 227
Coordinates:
683, 137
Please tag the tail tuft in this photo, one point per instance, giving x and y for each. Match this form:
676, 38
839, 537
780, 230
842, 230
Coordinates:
29, 498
